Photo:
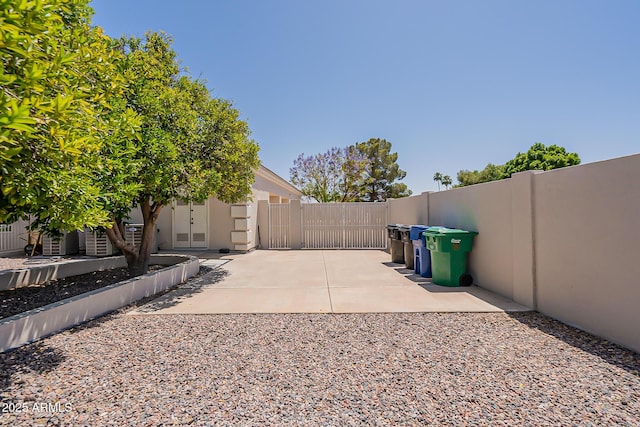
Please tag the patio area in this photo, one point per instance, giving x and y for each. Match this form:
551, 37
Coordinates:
319, 281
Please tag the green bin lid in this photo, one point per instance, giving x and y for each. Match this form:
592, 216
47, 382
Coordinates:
442, 231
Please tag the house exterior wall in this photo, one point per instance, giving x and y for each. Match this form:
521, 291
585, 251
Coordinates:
263, 184
223, 228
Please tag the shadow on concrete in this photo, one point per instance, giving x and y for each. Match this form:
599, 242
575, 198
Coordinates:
208, 276
37, 357
607, 351
425, 282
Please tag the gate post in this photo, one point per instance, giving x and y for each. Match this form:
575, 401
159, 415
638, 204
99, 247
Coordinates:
295, 227
262, 234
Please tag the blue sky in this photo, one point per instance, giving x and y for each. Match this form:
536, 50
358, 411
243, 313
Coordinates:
451, 84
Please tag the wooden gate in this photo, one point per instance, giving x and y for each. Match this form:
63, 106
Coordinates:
344, 225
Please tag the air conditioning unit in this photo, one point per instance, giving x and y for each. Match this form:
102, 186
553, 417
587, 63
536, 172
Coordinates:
98, 244
133, 235
65, 245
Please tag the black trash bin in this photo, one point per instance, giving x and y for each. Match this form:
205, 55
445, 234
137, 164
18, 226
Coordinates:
407, 246
397, 247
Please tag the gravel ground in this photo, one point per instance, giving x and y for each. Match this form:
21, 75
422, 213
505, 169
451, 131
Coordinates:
358, 369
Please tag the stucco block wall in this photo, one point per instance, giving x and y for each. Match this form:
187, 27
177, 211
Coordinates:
563, 242
485, 208
587, 234
409, 210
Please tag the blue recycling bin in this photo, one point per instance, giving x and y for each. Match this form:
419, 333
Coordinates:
421, 255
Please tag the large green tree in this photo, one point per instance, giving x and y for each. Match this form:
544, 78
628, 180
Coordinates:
60, 82
90, 127
540, 157
381, 171
191, 146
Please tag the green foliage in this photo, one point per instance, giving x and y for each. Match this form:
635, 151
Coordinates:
89, 126
59, 76
381, 171
540, 157
491, 172
192, 146
189, 145
446, 181
437, 177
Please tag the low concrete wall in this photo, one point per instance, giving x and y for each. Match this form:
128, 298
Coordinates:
32, 325
17, 278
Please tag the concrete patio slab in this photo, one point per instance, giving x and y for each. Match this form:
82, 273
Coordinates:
368, 269
275, 269
243, 300
319, 281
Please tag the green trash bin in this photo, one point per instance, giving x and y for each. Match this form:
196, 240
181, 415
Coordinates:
449, 248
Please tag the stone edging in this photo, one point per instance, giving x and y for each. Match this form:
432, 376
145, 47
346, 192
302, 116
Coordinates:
32, 325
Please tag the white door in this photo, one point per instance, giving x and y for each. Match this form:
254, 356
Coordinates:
190, 224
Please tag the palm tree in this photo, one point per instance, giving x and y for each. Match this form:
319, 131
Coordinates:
446, 181
437, 177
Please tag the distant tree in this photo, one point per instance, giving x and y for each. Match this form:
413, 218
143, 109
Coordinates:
540, 157
333, 176
437, 177
491, 172
353, 169
446, 181
466, 177
381, 171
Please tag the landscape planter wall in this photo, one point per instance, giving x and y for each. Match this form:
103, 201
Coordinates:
17, 278
32, 325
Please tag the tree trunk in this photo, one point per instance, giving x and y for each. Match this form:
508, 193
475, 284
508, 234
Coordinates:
137, 257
